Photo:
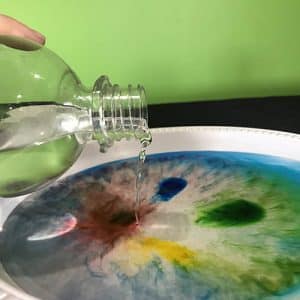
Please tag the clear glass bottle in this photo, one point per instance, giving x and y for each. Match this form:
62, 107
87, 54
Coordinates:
47, 115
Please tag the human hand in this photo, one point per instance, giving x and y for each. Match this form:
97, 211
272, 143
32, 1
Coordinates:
10, 26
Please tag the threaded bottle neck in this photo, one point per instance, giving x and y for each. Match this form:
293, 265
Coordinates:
119, 113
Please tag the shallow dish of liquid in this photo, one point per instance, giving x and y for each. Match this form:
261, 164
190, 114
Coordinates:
218, 219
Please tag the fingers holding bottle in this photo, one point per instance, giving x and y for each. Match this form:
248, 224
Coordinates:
10, 26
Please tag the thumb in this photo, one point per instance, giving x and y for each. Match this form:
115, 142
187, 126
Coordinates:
10, 26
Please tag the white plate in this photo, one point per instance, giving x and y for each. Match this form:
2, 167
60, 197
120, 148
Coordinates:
174, 139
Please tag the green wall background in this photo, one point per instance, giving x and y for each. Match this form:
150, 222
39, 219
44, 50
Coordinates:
179, 50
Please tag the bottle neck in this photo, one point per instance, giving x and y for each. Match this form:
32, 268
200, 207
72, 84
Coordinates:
118, 113
107, 114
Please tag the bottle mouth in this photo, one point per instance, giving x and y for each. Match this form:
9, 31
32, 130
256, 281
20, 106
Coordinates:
118, 112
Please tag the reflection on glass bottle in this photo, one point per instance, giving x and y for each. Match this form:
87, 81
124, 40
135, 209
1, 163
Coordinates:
47, 115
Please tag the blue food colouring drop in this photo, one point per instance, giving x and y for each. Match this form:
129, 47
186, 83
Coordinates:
168, 188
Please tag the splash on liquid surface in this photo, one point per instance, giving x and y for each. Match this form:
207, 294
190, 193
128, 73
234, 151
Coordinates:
213, 225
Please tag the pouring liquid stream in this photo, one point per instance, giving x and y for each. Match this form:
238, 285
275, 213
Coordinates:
140, 172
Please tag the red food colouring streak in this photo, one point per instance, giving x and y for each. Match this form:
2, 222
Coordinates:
108, 217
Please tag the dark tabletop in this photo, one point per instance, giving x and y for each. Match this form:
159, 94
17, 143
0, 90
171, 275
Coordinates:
277, 113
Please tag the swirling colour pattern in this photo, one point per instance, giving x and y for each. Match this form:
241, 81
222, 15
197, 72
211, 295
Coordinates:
214, 225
